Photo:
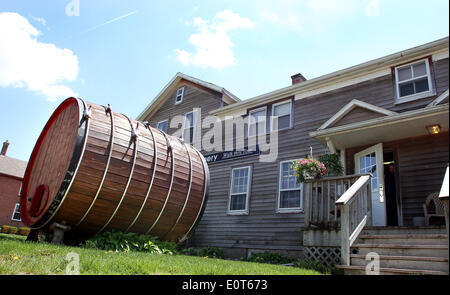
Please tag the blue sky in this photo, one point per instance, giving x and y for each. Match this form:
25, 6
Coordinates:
124, 52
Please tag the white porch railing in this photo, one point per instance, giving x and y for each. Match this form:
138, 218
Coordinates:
320, 198
355, 206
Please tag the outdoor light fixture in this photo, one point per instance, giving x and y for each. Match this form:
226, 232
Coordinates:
434, 129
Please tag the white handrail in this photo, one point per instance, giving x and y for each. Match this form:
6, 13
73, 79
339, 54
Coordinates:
359, 192
351, 192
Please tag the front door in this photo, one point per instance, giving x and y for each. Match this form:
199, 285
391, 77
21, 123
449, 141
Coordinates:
371, 160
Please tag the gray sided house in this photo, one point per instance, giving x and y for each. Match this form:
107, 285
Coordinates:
387, 119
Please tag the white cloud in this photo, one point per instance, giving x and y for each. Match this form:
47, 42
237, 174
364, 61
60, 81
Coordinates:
27, 63
313, 16
40, 20
373, 8
213, 44
183, 56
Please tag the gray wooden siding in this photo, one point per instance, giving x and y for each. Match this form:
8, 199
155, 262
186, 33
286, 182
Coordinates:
194, 97
263, 228
356, 115
422, 164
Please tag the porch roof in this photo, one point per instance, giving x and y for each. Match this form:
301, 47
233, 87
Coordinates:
387, 128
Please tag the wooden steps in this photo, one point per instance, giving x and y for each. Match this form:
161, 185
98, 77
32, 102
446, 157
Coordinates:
406, 239
401, 251
408, 250
405, 262
361, 270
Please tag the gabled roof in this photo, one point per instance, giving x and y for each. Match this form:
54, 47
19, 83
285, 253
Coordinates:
163, 94
352, 105
400, 125
12, 167
347, 76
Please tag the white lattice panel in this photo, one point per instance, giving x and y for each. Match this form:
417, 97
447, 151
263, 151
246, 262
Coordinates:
327, 255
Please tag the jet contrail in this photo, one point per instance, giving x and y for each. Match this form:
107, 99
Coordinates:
101, 25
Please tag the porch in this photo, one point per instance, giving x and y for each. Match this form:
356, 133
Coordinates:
339, 231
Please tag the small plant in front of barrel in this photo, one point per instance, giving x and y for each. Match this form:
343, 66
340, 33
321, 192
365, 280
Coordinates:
269, 257
125, 242
210, 252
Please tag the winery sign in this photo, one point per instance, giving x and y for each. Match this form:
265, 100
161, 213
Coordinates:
228, 155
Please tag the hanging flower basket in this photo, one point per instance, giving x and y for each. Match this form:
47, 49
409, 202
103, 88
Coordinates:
309, 169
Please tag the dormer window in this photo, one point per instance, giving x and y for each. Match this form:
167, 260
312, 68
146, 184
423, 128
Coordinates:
180, 94
413, 81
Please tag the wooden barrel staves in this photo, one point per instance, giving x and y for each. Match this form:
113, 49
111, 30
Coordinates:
97, 170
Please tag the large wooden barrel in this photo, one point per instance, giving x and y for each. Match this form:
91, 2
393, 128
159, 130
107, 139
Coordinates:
97, 170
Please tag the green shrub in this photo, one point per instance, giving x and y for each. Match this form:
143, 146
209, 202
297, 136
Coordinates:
211, 252
314, 265
269, 257
124, 242
333, 164
190, 252
12, 229
24, 231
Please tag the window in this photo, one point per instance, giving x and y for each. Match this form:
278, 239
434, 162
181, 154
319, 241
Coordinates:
163, 125
290, 192
413, 81
189, 126
257, 122
281, 113
180, 94
240, 187
16, 213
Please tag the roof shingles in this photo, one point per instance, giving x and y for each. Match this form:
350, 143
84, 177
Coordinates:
11, 166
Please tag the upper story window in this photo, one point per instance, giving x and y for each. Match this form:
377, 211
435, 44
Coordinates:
180, 94
257, 121
163, 125
290, 191
16, 213
281, 115
239, 191
413, 81
189, 126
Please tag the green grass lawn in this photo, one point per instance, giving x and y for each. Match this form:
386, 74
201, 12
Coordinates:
20, 257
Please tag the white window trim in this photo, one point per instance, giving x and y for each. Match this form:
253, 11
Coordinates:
414, 96
272, 117
15, 208
245, 211
163, 122
194, 118
249, 120
288, 210
182, 95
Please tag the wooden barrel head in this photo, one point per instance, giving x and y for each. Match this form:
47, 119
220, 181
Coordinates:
51, 163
